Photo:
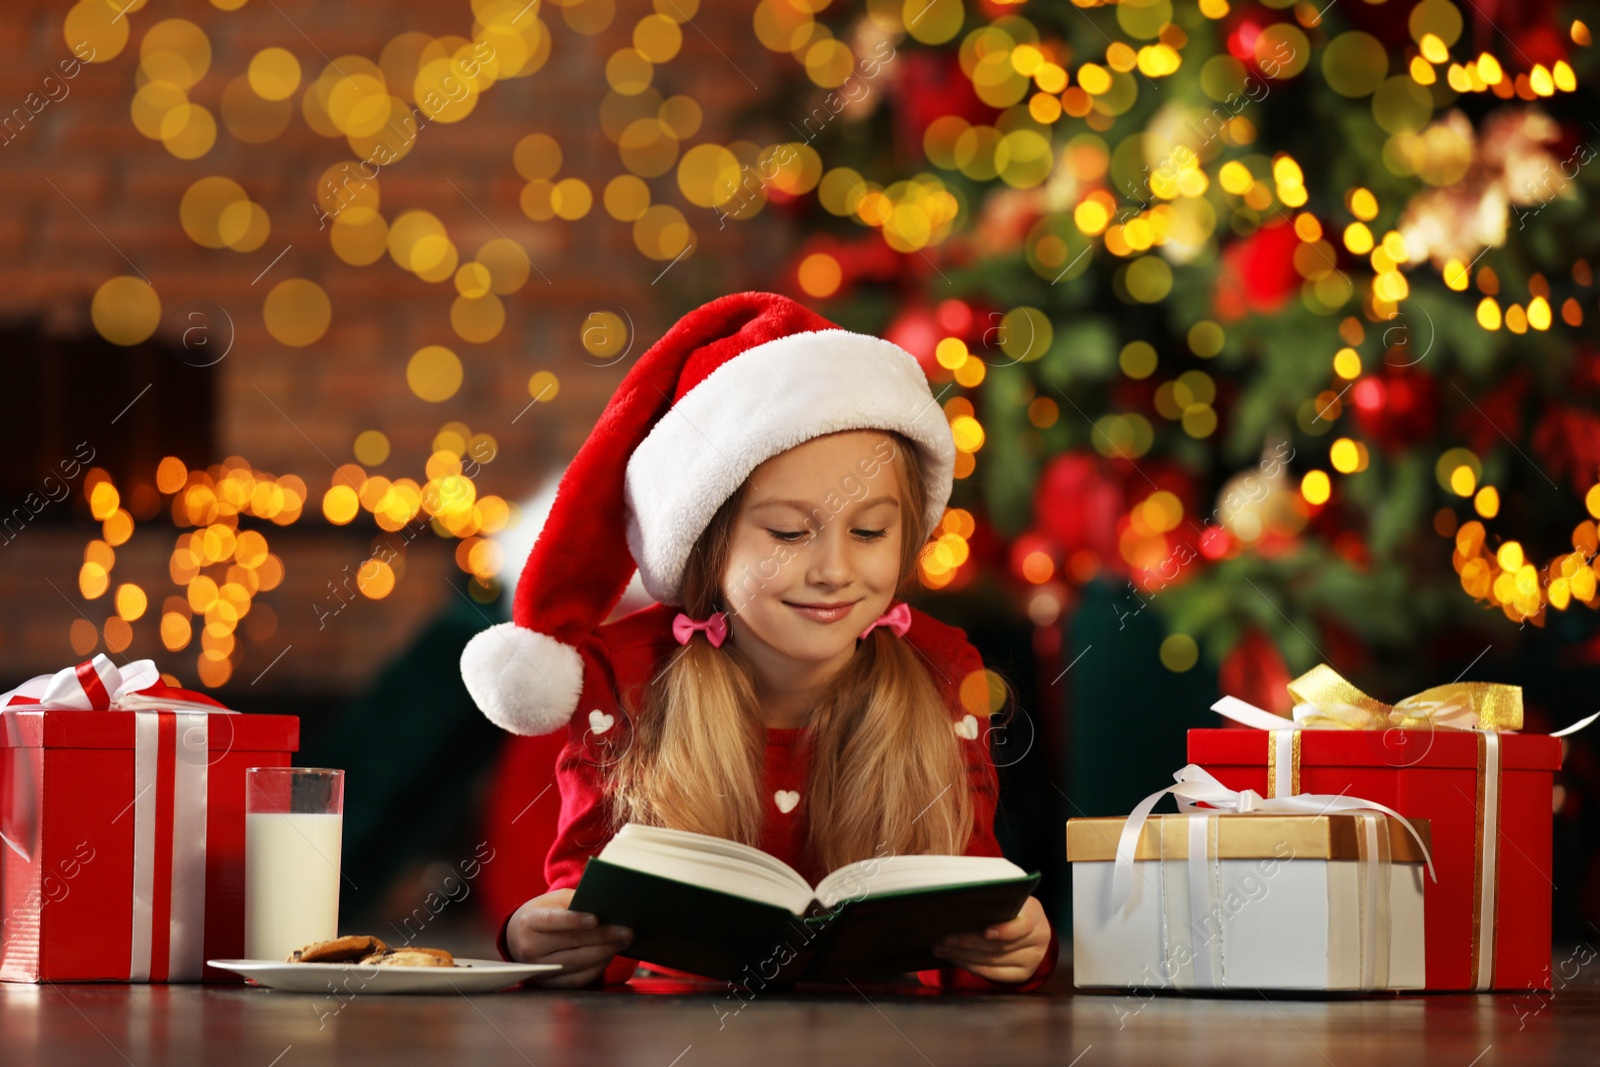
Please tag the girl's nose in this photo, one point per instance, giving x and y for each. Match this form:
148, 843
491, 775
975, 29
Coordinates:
829, 563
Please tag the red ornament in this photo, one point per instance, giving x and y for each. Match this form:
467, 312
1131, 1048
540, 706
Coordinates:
1242, 41
929, 85
1525, 24
1567, 439
1497, 411
955, 317
1541, 44
1263, 60
1077, 504
1255, 672
872, 260
1215, 543
1396, 407
985, 335
1258, 274
1368, 396
1082, 500
916, 329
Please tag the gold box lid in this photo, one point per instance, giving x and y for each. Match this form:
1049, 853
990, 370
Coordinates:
1245, 837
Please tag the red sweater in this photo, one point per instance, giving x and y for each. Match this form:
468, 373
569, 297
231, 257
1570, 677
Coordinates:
625, 653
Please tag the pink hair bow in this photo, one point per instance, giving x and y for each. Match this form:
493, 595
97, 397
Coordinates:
897, 618
715, 627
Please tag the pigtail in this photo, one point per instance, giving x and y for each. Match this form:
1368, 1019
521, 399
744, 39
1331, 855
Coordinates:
887, 773
697, 759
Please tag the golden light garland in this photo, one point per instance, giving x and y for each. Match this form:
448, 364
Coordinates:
220, 566
1505, 578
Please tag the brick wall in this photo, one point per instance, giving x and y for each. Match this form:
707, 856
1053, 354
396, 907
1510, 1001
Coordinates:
84, 193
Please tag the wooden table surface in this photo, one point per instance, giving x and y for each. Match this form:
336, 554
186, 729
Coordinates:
666, 1024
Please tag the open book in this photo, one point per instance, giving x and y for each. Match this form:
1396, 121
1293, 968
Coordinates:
728, 911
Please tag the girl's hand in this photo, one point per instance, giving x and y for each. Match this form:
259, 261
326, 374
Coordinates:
1006, 952
544, 931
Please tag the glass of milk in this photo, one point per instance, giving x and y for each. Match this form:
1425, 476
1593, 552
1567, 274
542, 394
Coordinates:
294, 818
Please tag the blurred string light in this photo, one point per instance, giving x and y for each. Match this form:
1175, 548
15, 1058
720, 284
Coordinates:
1505, 577
1024, 334
942, 558
222, 560
219, 566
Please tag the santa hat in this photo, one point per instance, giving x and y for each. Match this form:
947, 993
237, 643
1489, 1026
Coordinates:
732, 384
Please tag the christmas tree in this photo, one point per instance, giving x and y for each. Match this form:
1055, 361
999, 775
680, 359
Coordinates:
1269, 315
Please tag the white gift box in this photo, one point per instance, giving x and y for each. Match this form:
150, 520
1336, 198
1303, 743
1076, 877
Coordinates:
1250, 901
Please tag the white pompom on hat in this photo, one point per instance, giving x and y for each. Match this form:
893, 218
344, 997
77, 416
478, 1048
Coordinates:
732, 384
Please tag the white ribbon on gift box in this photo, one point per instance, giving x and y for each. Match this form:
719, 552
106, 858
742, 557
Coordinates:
1196, 786
1309, 716
65, 691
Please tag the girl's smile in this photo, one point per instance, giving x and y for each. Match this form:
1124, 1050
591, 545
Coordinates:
824, 613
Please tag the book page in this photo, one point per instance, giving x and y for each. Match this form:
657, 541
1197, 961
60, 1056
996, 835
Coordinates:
712, 862
889, 874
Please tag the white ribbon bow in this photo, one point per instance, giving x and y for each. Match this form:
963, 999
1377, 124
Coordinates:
1198, 786
65, 691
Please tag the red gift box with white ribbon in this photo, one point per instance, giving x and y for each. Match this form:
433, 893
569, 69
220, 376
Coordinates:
122, 825
1451, 755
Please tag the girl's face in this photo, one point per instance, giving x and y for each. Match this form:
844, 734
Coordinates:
814, 555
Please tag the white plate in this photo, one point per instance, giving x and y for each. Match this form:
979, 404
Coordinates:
467, 976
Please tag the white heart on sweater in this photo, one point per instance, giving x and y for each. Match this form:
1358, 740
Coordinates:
786, 800
968, 727
600, 722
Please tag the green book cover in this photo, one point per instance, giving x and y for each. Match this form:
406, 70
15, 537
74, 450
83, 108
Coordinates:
732, 938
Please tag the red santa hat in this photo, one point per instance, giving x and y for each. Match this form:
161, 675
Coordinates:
732, 384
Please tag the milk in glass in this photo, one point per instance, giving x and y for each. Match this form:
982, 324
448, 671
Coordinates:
291, 881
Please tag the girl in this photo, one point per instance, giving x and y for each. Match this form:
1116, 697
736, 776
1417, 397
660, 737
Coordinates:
774, 478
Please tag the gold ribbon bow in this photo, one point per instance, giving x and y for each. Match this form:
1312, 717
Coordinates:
1456, 706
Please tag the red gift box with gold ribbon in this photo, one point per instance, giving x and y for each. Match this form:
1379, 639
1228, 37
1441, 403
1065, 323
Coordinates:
1449, 755
122, 825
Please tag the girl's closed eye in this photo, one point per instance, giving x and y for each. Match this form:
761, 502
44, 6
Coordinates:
791, 536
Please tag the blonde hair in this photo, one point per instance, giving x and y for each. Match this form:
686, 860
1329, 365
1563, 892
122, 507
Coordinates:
887, 774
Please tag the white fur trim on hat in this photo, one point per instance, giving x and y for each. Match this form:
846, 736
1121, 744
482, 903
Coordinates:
758, 404
525, 682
